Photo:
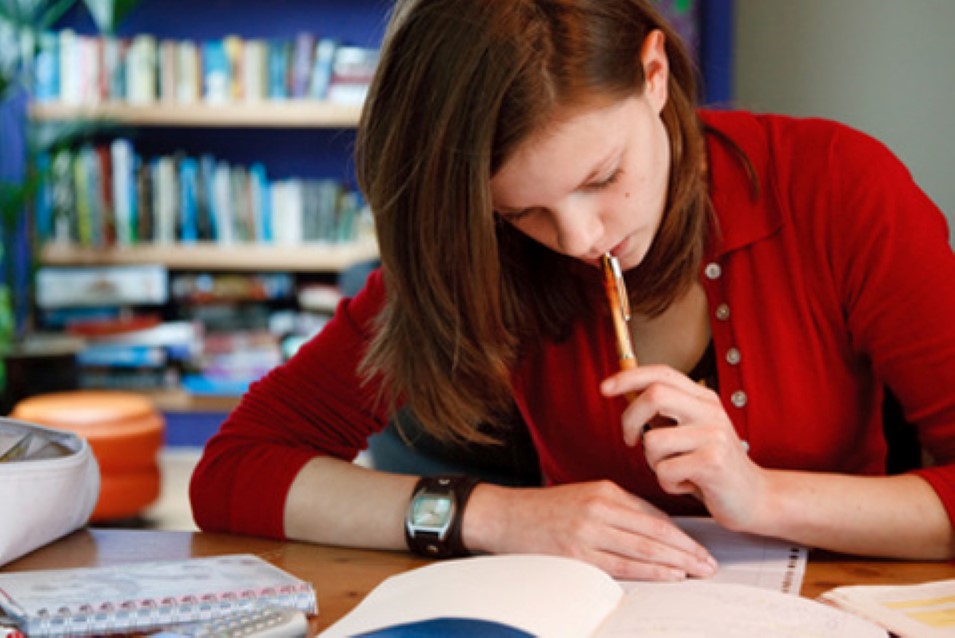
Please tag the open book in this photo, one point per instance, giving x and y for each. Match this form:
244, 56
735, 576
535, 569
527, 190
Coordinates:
521, 595
926, 610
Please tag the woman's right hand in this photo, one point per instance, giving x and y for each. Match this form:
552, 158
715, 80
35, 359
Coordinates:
597, 522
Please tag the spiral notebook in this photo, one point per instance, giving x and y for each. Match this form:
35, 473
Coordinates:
144, 596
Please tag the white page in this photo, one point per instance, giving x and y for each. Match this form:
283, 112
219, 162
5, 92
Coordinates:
745, 559
693, 608
925, 610
538, 594
543, 595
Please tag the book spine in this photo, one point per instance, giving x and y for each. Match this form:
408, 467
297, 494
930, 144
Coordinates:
188, 84
322, 68
141, 70
278, 68
168, 73
188, 187
255, 75
47, 68
302, 54
215, 72
123, 193
234, 50
70, 73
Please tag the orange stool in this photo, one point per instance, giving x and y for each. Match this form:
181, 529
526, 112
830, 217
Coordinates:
125, 433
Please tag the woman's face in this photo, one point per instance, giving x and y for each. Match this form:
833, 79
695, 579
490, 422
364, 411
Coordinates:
593, 181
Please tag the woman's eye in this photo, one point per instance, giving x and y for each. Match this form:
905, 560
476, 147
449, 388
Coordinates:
607, 181
515, 216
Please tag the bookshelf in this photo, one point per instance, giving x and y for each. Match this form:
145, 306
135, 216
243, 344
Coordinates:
304, 258
294, 137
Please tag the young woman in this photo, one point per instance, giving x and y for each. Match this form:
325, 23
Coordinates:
793, 265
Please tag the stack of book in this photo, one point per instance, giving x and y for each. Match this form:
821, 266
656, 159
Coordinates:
107, 194
151, 358
80, 69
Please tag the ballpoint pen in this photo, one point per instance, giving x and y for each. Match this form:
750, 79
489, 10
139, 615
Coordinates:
619, 301
616, 291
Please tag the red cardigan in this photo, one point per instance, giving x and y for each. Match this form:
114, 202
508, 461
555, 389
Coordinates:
835, 279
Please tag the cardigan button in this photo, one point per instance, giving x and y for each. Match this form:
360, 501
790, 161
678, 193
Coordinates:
723, 312
713, 270
733, 356
739, 399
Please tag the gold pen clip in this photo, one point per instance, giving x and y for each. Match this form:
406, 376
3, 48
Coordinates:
614, 280
619, 301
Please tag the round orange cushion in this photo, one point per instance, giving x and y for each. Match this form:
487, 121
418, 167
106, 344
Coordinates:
125, 433
125, 494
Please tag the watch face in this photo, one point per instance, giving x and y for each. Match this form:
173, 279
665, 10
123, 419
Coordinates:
431, 512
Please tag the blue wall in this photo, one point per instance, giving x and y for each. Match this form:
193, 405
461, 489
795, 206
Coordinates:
716, 51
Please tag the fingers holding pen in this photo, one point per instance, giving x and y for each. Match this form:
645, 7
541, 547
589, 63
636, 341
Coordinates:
661, 396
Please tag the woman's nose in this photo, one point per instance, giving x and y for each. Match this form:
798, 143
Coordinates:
578, 229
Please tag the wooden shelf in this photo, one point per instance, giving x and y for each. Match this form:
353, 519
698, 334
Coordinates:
179, 400
272, 114
211, 256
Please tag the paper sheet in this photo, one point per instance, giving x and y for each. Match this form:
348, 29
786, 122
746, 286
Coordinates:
914, 611
745, 559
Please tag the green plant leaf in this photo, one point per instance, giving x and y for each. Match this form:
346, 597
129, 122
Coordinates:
53, 12
33, 14
108, 14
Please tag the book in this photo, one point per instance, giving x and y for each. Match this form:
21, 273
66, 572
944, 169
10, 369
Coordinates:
188, 74
303, 50
255, 72
70, 72
234, 48
142, 596
188, 222
167, 75
925, 610
278, 63
124, 190
122, 356
47, 68
76, 286
216, 72
353, 68
142, 58
322, 68
536, 595
114, 71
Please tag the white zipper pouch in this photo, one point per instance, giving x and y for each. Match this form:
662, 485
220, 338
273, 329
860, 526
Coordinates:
49, 483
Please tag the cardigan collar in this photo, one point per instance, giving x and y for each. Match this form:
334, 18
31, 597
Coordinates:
744, 215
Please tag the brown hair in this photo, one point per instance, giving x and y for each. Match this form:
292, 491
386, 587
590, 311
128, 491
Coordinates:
461, 83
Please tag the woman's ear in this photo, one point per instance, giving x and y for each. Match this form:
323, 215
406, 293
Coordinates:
656, 68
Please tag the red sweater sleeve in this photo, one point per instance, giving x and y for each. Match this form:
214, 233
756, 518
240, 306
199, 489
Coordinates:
314, 404
898, 274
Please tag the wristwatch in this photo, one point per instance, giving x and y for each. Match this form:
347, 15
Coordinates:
433, 521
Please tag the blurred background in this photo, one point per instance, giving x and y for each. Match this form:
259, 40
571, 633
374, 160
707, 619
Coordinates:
882, 66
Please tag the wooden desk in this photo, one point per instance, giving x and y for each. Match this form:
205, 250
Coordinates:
342, 577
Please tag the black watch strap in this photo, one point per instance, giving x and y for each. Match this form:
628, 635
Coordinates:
430, 544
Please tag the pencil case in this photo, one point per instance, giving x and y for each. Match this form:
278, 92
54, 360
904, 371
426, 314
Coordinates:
49, 483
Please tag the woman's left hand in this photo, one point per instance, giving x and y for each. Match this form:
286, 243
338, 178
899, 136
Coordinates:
701, 454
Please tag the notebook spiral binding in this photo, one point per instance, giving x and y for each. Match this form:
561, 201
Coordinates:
139, 615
